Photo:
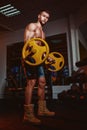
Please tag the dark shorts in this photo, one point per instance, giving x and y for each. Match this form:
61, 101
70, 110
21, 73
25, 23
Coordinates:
34, 72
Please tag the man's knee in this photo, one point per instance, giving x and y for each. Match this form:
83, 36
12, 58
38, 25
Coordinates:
31, 82
42, 84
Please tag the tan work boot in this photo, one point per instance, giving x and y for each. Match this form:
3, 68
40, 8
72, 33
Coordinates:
29, 114
42, 109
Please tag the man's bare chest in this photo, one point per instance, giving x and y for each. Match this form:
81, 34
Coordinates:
39, 33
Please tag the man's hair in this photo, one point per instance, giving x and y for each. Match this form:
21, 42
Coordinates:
47, 11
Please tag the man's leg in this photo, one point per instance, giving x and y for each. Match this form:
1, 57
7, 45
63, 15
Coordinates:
29, 107
42, 108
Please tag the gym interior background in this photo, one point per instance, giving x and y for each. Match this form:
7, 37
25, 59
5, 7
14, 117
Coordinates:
65, 33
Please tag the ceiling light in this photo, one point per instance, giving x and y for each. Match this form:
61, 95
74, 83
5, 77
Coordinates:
9, 10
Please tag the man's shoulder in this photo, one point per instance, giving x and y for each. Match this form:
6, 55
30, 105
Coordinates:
32, 24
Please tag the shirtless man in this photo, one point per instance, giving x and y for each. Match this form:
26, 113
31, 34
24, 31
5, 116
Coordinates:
34, 30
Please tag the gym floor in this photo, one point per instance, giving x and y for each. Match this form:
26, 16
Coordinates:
69, 115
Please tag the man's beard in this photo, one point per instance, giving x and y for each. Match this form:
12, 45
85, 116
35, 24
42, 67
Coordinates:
42, 23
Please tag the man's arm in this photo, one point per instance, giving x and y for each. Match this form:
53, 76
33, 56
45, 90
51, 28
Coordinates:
29, 32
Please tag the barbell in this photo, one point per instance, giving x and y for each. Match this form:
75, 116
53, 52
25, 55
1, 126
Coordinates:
58, 61
36, 52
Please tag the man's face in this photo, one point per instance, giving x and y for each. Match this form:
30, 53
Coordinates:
43, 17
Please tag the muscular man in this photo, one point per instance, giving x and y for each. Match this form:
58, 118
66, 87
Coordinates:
34, 30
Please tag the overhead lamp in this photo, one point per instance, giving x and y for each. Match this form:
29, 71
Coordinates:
9, 10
